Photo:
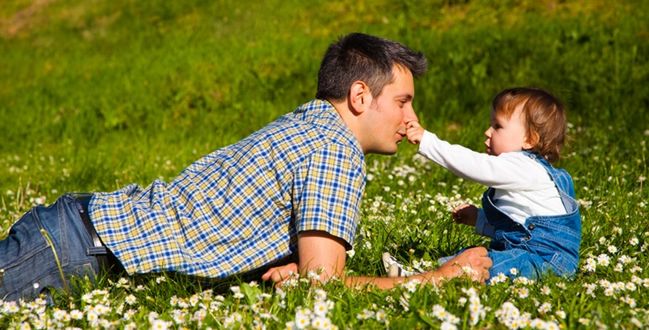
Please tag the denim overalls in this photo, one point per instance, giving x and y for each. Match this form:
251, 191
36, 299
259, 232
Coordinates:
544, 243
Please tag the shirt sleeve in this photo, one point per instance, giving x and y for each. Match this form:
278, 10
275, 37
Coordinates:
511, 171
329, 187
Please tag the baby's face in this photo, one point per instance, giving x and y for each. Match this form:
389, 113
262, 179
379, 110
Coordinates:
507, 134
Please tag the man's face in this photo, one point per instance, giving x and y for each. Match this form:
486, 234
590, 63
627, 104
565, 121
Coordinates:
390, 111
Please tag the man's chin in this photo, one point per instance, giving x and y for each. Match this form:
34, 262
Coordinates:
391, 151
387, 153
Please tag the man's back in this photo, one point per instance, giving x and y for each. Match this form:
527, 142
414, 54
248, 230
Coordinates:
241, 207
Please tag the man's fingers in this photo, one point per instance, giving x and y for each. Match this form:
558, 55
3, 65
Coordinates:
277, 277
482, 263
272, 275
485, 264
484, 276
479, 251
488, 262
277, 274
473, 263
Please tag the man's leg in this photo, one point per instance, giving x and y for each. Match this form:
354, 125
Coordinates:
45, 247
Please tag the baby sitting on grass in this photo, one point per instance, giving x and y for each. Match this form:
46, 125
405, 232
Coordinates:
529, 209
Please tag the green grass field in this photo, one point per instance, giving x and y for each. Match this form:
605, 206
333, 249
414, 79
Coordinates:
96, 94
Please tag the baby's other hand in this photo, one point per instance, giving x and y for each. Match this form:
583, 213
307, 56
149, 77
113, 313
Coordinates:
414, 131
465, 214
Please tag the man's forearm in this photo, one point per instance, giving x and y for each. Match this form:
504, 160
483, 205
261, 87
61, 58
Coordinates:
390, 282
474, 263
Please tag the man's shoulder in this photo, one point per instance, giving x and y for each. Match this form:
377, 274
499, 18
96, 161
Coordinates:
322, 116
318, 114
314, 105
314, 127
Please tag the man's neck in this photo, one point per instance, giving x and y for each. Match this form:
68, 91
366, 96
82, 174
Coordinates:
350, 119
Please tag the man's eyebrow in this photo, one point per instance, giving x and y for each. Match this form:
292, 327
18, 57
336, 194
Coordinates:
408, 97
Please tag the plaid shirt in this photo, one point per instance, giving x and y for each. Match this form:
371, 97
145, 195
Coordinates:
242, 206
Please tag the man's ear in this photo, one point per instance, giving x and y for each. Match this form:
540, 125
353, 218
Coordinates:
360, 97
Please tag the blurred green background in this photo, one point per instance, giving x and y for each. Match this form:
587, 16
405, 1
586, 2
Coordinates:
98, 94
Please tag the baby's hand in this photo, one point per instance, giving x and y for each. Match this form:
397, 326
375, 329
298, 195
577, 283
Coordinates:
465, 214
280, 274
414, 131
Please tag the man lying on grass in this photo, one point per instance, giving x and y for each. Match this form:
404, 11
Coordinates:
291, 189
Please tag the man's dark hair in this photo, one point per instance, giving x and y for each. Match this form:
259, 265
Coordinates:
363, 57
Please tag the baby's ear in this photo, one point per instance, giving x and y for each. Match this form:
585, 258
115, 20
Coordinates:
531, 141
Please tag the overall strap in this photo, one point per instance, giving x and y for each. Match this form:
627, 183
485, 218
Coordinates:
562, 180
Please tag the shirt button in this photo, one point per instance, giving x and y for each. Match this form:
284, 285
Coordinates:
531, 227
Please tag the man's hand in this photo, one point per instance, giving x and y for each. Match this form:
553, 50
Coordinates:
473, 262
280, 274
465, 214
414, 131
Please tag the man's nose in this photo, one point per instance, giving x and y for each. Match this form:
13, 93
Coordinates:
487, 133
409, 115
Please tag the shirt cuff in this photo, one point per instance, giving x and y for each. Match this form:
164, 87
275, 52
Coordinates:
427, 139
482, 226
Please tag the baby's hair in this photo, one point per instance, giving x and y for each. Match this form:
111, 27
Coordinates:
544, 116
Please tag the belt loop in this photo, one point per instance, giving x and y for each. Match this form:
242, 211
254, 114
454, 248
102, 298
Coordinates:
82, 201
96, 250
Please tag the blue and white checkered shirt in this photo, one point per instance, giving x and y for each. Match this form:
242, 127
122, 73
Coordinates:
242, 206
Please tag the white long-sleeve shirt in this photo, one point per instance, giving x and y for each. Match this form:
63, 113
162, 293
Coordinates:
523, 188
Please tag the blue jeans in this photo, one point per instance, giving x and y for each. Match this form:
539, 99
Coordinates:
27, 260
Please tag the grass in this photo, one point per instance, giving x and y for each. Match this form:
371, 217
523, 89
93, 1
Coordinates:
95, 95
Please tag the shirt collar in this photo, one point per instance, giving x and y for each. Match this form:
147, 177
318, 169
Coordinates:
322, 114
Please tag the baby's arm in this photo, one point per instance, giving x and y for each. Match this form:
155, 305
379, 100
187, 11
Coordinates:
512, 171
